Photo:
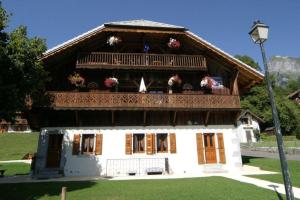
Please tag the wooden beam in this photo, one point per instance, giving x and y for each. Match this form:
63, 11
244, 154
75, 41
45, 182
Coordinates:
207, 118
234, 83
235, 118
139, 30
149, 84
145, 118
250, 84
174, 118
113, 118
136, 83
76, 118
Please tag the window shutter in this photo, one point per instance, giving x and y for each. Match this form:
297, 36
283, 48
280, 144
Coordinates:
200, 151
76, 144
221, 148
172, 143
128, 144
150, 143
98, 149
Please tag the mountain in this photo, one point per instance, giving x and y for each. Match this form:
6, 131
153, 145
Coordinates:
285, 68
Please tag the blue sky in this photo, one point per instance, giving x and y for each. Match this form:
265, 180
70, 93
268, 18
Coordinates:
224, 23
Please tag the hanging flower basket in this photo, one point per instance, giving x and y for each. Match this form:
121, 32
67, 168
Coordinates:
209, 82
113, 40
174, 80
173, 43
111, 82
77, 80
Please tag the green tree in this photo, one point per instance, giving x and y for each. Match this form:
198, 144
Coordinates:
257, 100
21, 73
248, 60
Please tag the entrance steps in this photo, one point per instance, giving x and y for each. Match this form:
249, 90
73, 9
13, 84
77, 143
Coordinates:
213, 168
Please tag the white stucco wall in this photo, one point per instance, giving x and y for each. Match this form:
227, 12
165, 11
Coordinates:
242, 128
184, 161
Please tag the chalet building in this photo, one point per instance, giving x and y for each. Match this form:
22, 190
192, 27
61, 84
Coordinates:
140, 97
20, 125
248, 125
295, 96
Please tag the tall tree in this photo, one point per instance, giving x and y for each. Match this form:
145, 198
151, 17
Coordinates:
249, 61
257, 100
21, 73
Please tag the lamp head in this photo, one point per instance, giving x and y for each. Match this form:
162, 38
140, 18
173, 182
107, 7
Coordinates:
259, 32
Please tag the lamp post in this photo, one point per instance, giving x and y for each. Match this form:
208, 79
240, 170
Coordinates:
259, 34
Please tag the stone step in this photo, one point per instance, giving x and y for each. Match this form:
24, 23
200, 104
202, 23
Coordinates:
213, 168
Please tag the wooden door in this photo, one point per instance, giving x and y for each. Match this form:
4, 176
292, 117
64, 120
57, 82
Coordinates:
54, 150
210, 148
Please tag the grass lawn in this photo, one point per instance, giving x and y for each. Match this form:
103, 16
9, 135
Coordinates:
270, 141
274, 165
218, 188
15, 145
15, 168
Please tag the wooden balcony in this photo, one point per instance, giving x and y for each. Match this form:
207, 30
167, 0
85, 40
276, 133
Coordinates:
140, 61
137, 101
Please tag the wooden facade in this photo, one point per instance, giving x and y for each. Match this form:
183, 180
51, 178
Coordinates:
95, 60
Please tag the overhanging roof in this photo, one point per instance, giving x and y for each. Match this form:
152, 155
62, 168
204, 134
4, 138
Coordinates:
146, 24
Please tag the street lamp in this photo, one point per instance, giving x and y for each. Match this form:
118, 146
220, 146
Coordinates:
259, 34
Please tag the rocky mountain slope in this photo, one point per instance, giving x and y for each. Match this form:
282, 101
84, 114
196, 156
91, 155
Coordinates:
285, 68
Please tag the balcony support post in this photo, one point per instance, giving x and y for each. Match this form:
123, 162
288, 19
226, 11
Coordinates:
145, 118
206, 118
113, 118
174, 118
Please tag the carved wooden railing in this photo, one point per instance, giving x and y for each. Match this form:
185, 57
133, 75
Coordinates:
140, 60
137, 101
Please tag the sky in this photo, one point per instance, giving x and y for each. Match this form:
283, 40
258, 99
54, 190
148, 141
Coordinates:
224, 23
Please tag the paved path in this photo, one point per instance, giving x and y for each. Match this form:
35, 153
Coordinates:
276, 187
16, 161
267, 154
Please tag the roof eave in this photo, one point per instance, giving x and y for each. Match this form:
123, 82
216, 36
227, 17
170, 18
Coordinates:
227, 56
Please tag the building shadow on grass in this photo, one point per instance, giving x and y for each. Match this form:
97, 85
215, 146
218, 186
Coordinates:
31, 191
247, 159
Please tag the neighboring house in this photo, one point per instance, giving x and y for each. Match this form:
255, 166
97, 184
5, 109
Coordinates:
140, 97
19, 125
295, 96
248, 125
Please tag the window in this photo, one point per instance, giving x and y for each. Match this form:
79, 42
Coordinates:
162, 143
138, 143
87, 145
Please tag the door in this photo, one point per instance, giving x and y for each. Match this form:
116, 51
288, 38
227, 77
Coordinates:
248, 135
54, 150
210, 148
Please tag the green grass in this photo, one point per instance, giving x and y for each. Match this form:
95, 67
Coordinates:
274, 165
13, 146
274, 144
266, 138
270, 141
218, 188
15, 168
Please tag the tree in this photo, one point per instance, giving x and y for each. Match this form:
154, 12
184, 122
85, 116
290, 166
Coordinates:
257, 100
249, 61
21, 73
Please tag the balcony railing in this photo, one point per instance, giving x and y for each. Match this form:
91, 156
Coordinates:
137, 101
140, 61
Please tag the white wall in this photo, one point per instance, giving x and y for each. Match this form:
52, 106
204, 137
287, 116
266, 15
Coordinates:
242, 128
184, 161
